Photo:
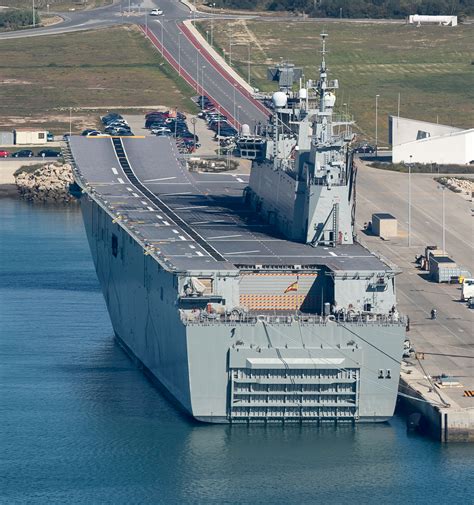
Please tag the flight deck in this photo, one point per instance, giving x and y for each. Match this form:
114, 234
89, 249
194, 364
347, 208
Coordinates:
195, 219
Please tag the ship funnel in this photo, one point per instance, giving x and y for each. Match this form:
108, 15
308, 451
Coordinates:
245, 131
279, 99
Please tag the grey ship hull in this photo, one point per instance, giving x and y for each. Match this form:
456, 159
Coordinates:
264, 369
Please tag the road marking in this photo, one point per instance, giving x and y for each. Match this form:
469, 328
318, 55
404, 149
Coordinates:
143, 202
192, 247
159, 217
150, 208
240, 180
223, 236
181, 237
175, 231
121, 181
135, 195
129, 189
114, 170
166, 223
199, 253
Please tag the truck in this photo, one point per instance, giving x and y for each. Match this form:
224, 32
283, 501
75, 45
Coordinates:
467, 289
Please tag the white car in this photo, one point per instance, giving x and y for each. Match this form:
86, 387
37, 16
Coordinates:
156, 12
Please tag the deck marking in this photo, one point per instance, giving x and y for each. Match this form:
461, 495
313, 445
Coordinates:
229, 236
241, 252
150, 208
114, 170
332, 253
199, 253
192, 247
135, 195
162, 179
175, 231
240, 180
143, 202
129, 189
166, 223
121, 180
181, 237
159, 217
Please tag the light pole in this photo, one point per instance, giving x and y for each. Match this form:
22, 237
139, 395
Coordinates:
207, 36
238, 116
234, 107
248, 64
376, 124
443, 188
193, 121
198, 52
212, 24
70, 122
230, 49
202, 79
409, 202
179, 53
34, 15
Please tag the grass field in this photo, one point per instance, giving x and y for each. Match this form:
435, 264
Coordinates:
429, 66
108, 69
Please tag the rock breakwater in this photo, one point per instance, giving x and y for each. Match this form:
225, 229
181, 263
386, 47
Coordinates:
48, 183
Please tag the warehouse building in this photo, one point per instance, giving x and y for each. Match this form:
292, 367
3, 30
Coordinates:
423, 142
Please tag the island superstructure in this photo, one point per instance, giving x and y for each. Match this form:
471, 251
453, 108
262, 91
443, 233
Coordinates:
248, 301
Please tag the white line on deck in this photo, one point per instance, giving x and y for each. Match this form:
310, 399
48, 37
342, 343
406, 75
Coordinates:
166, 223
192, 207
121, 181
135, 195
192, 247
225, 236
150, 208
181, 237
159, 217
114, 170
175, 231
129, 189
332, 254
241, 252
240, 180
199, 253
143, 202
162, 179
177, 194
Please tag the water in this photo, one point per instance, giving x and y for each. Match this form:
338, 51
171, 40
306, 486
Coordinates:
80, 425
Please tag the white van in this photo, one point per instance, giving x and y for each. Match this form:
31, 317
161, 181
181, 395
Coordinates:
467, 289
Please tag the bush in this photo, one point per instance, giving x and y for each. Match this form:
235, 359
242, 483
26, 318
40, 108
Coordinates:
15, 19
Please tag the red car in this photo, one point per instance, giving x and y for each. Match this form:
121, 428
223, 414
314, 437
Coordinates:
4, 154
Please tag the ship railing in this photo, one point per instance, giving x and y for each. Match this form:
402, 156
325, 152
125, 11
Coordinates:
202, 317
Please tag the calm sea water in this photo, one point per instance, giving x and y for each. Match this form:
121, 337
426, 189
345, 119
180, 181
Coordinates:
79, 424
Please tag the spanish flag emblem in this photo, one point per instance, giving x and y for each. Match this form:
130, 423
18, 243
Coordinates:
292, 287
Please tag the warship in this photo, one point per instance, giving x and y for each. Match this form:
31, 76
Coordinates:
247, 296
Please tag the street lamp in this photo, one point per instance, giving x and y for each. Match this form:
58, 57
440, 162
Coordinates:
179, 53
162, 46
234, 105
409, 202
34, 15
193, 121
70, 122
212, 24
198, 52
443, 188
248, 64
202, 79
376, 124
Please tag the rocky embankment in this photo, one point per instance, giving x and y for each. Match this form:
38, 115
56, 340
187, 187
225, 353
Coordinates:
47, 184
458, 185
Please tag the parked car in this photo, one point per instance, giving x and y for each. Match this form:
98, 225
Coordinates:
365, 148
112, 116
24, 153
90, 132
156, 12
49, 153
4, 154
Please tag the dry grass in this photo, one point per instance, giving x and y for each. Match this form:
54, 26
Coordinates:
90, 72
429, 66
57, 5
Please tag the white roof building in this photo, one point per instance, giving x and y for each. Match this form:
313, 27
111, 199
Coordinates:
423, 142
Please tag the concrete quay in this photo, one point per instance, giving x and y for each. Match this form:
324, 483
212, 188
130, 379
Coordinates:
445, 346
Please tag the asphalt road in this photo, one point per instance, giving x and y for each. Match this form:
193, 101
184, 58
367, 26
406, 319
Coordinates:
452, 332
